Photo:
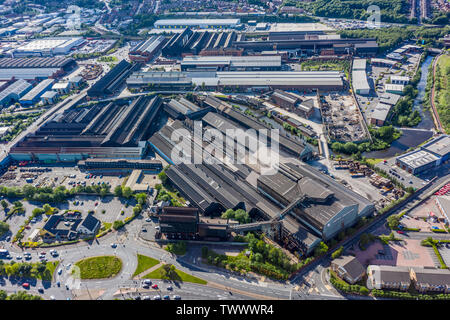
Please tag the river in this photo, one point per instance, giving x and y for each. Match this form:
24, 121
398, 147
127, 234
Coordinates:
412, 137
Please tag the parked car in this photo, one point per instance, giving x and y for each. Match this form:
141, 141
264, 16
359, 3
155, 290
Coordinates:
400, 232
155, 286
59, 271
169, 288
26, 285
156, 298
148, 281
176, 297
113, 245
41, 290
166, 297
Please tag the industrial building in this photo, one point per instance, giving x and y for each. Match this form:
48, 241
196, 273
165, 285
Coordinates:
47, 47
115, 130
293, 103
145, 50
231, 63
197, 23
120, 164
14, 92
47, 62
240, 81
229, 117
383, 62
311, 44
33, 96
359, 77
183, 108
379, 114
203, 43
428, 156
399, 79
35, 68
113, 80
327, 209
394, 88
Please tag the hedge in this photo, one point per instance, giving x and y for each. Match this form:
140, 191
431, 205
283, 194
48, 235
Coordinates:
409, 296
345, 287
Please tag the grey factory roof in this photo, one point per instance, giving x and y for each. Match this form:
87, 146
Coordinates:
359, 80
28, 73
41, 86
418, 158
17, 89
49, 94
285, 96
298, 231
381, 111
439, 146
148, 45
359, 64
236, 61
390, 98
195, 22
35, 62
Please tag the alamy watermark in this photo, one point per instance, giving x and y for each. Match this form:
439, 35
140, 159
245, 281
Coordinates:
374, 20
234, 146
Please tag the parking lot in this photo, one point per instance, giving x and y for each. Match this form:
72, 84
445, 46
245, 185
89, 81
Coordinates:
445, 253
400, 253
57, 175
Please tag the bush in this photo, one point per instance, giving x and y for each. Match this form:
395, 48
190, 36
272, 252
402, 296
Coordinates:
336, 254
118, 224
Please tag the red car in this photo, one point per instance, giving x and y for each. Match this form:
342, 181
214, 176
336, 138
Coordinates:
43, 253
26, 285
155, 286
401, 232
96, 203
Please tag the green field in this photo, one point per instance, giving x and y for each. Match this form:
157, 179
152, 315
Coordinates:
180, 276
144, 263
99, 267
442, 94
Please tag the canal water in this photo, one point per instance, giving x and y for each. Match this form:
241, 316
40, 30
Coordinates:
412, 137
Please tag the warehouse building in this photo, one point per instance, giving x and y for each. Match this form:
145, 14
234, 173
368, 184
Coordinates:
394, 88
113, 79
429, 156
183, 108
197, 23
293, 103
359, 64
383, 62
47, 47
33, 96
47, 62
229, 117
231, 63
328, 208
14, 92
114, 130
240, 81
145, 50
399, 80
174, 47
313, 45
49, 97
379, 114
161, 80
360, 84
121, 164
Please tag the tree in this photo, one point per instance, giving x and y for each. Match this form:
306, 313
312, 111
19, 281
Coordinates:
47, 208
336, 254
141, 198
321, 249
127, 192
242, 216
4, 228
17, 204
41, 267
393, 221
3, 295
118, 224
229, 214
4, 204
118, 191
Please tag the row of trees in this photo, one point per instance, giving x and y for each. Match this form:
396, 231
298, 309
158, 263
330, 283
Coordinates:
382, 139
21, 295
239, 215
